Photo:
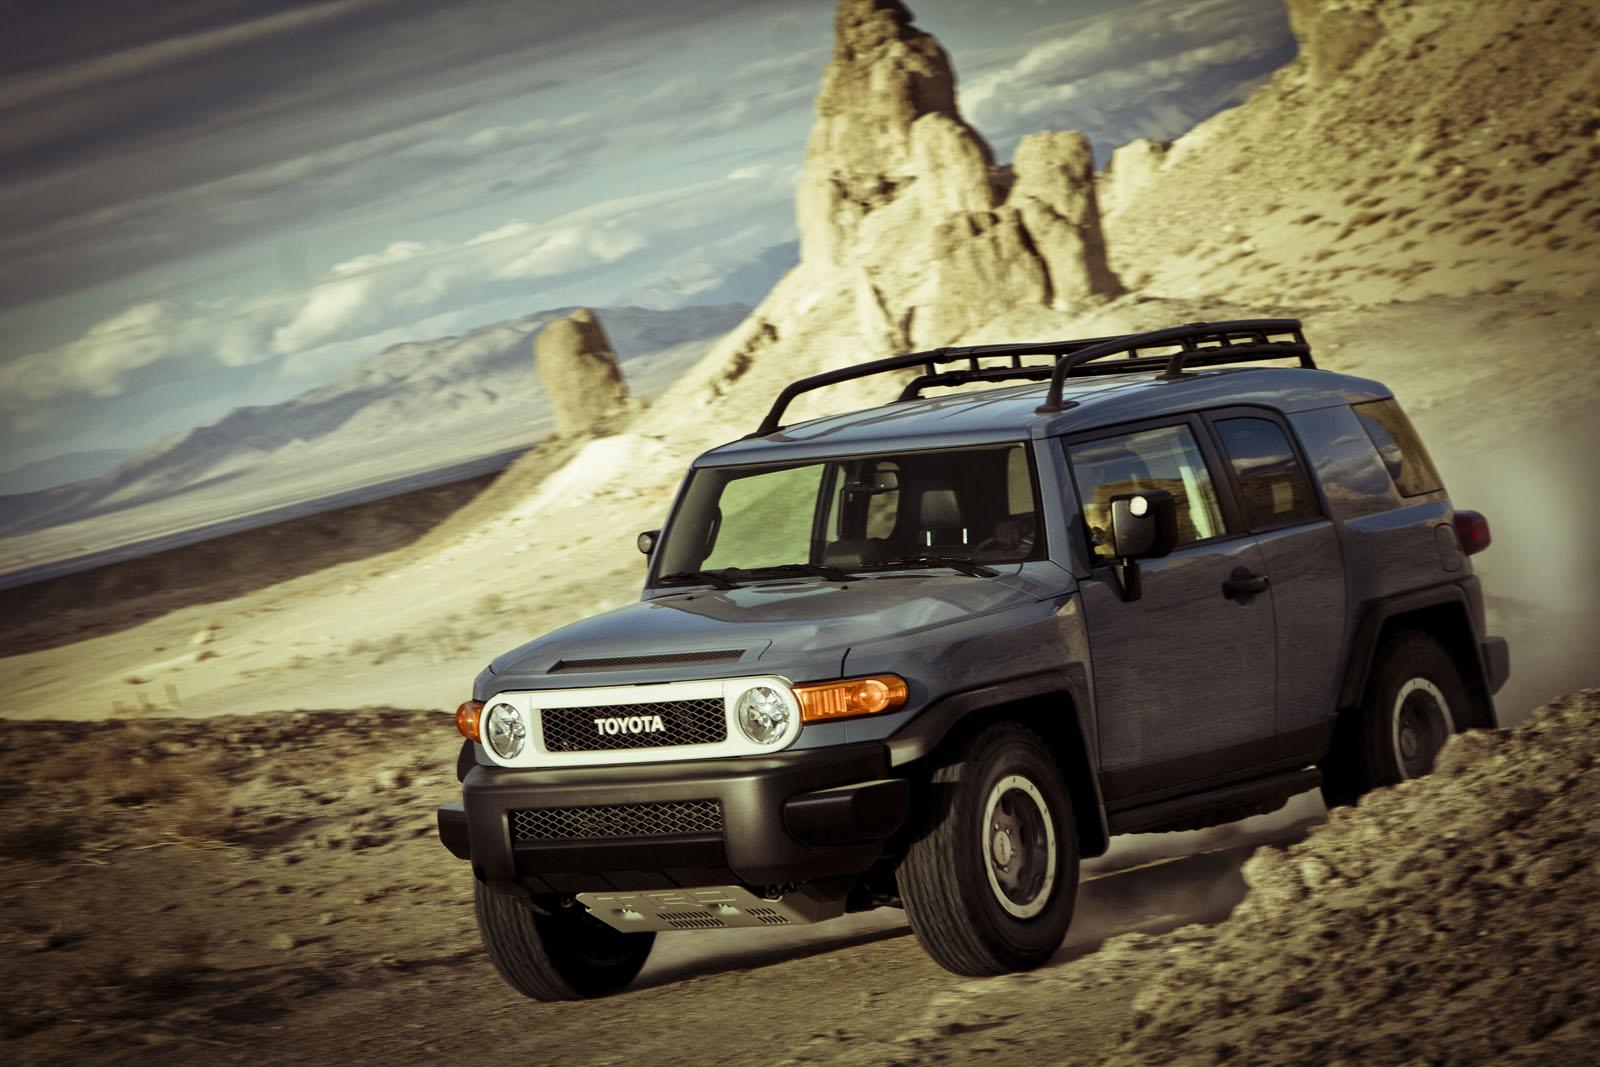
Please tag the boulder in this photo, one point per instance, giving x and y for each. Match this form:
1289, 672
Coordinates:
579, 372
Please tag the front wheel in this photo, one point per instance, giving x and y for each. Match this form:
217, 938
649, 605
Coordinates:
569, 955
991, 877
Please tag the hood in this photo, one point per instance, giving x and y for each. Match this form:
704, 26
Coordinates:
800, 629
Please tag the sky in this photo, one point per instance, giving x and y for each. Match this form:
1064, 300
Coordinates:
210, 205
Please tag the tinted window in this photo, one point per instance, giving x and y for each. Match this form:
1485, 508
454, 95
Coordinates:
1275, 488
1397, 442
1167, 458
974, 503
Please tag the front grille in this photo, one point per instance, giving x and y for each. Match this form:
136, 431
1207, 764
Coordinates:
684, 722
675, 819
659, 659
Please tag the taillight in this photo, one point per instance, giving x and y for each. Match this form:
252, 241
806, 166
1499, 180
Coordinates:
1472, 530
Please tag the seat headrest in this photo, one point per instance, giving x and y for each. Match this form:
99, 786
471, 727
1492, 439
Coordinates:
939, 507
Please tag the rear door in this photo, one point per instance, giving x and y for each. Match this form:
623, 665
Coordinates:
1184, 677
1282, 510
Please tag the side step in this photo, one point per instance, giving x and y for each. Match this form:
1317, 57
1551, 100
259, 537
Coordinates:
1238, 795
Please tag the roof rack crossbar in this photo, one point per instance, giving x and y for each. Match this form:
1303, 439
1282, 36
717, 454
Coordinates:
1200, 344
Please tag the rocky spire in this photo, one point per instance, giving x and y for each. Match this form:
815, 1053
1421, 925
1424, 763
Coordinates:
886, 119
578, 370
901, 200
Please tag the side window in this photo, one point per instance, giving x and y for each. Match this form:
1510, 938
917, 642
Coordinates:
1165, 458
1275, 488
1397, 442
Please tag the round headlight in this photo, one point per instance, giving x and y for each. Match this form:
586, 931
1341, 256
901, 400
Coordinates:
763, 715
503, 730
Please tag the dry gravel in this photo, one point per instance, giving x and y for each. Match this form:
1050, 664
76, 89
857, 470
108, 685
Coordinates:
268, 887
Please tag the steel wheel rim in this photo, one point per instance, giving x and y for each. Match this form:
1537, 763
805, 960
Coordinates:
1420, 724
1018, 841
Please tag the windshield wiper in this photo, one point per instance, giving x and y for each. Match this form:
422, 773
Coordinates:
965, 566
818, 570
711, 578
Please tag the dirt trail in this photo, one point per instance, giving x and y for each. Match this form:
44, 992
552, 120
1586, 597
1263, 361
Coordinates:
266, 886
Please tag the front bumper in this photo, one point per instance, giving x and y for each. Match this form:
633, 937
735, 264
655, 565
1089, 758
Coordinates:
789, 817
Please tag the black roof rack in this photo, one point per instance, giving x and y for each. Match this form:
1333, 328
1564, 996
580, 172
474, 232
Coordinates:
1199, 344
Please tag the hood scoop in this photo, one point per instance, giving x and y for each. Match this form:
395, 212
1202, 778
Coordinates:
641, 662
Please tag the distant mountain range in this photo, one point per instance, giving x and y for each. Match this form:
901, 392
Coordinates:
480, 386
59, 470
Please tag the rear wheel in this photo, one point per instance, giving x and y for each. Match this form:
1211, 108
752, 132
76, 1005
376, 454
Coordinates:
990, 880
569, 955
1415, 701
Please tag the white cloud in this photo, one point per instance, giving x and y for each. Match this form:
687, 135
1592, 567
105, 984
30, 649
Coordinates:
1152, 70
572, 248
410, 290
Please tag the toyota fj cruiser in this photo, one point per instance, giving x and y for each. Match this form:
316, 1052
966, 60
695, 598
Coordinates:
932, 654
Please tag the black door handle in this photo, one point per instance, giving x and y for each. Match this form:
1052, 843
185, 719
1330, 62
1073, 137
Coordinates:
1242, 583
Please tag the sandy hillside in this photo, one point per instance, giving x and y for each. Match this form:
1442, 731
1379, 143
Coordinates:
1414, 148
1448, 921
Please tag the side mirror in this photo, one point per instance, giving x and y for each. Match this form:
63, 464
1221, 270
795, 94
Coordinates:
1143, 526
647, 541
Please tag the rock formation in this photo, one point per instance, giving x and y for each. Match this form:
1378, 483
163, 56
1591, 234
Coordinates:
1332, 36
578, 370
1131, 168
901, 200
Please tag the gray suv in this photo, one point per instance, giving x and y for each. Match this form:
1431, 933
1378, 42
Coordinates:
932, 654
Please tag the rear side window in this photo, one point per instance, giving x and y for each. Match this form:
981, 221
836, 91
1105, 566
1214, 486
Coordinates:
1274, 486
1399, 446
1166, 458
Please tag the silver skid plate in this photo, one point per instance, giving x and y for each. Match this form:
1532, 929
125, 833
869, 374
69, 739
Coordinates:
708, 908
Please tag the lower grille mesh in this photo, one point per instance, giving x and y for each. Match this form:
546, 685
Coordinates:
673, 819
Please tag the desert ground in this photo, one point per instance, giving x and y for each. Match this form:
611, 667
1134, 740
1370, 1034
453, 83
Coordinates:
205, 902
220, 764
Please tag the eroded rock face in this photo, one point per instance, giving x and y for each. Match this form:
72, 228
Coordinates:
885, 75
1132, 166
1054, 194
578, 370
901, 201
1333, 33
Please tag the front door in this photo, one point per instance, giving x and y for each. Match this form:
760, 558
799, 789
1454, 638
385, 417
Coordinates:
1185, 676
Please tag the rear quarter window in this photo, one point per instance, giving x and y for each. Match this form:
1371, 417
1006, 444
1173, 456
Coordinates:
1399, 447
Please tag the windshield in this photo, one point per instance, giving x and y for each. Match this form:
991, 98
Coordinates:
976, 504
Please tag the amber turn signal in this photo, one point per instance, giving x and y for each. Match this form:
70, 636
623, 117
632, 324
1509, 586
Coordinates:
826, 701
467, 716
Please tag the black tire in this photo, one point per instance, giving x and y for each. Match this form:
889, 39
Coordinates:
566, 956
951, 879
1415, 699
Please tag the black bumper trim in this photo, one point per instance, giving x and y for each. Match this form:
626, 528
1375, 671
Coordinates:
1496, 662
847, 805
453, 830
